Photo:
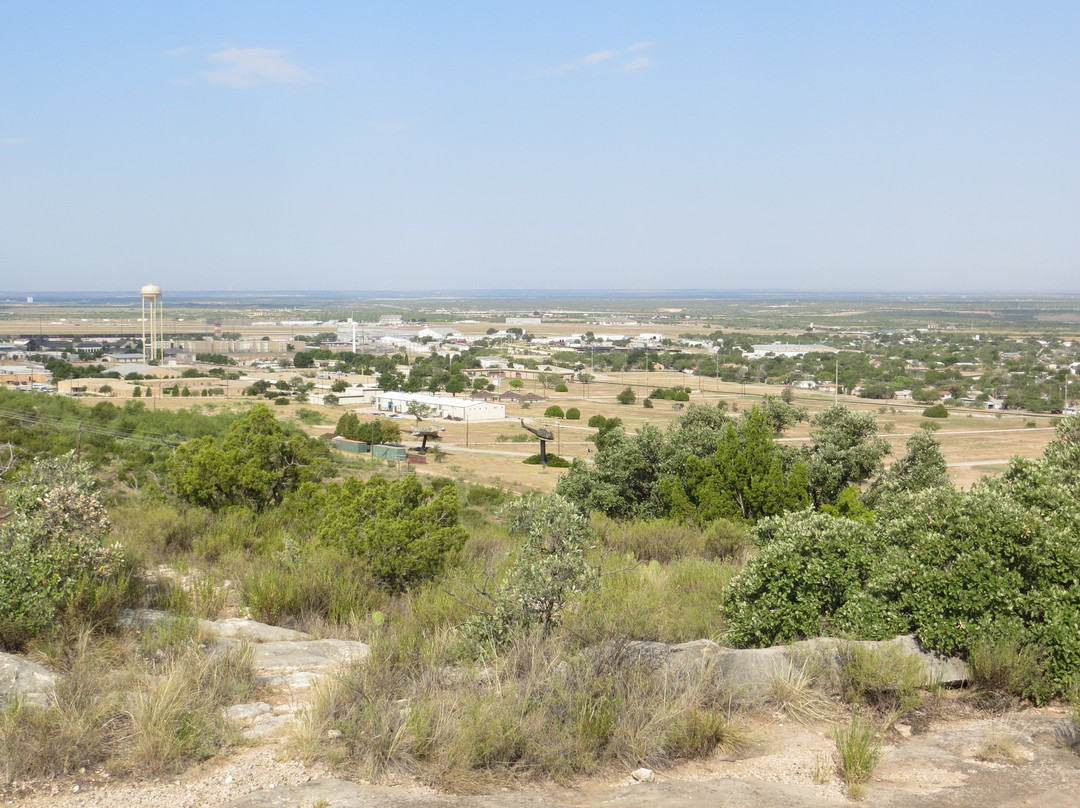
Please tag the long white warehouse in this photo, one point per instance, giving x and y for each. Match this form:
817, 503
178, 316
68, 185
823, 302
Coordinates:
456, 409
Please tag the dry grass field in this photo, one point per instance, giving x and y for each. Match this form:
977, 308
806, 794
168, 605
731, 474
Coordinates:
975, 444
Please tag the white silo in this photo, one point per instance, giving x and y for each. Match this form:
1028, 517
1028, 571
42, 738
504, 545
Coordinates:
154, 347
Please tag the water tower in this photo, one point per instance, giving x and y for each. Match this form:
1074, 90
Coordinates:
154, 347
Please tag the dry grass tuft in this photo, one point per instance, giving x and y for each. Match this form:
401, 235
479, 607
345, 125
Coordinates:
794, 689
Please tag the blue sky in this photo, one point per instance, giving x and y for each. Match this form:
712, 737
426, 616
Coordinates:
923, 146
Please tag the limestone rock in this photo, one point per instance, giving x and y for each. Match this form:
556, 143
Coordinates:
20, 677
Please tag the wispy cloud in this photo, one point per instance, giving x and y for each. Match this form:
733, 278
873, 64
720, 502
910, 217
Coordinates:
640, 63
13, 141
599, 57
181, 51
248, 67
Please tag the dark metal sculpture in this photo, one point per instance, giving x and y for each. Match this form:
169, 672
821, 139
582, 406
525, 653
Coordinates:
544, 435
425, 433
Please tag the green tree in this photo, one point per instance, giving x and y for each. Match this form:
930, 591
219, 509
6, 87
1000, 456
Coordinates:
348, 426
339, 386
627, 396
548, 380
745, 478
456, 384
845, 451
554, 411
419, 410
255, 464
921, 468
402, 531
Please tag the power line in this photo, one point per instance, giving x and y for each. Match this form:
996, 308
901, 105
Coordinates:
57, 423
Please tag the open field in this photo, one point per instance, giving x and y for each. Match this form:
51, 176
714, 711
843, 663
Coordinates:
974, 443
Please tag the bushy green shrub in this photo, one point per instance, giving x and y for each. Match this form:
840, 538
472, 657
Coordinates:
403, 532
627, 396
956, 568
809, 568
573, 414
52, 546
647, 404
597, 421
550, 567
553, 460
255, 465
554, 411
561, 388
938, 410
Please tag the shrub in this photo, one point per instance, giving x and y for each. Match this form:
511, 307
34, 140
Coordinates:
647, 404
550, 566
52, 547
403, 532
597, 421
938, 410
554, 411
255, 465
573, 414
561, 388
809, 567
627, 396
886, 678
553, 460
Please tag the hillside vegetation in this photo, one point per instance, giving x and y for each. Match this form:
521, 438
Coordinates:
504, 622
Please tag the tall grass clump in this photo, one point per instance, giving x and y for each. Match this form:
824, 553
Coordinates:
176, 718
150, 701
673, 603
74, 727
795, 689
1004, 667
858, 747
885, 679
324, 583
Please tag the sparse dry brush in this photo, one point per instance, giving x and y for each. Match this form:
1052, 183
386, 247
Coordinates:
535, 711
148, 701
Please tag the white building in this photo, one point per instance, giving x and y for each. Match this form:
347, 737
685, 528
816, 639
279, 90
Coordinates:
787, 349
455, 409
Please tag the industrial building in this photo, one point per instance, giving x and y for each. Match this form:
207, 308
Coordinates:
456, 409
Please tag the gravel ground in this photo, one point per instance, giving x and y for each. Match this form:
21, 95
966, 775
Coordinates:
212, 783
